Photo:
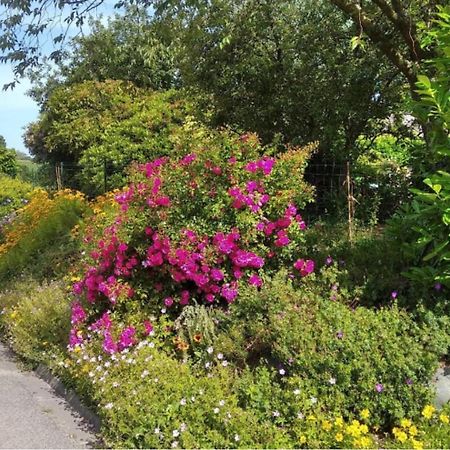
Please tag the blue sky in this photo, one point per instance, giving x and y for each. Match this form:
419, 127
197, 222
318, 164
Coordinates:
16, 108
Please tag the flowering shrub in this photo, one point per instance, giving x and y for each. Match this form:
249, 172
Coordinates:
39, 235
193, 230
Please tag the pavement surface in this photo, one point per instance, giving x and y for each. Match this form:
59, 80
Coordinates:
33, 416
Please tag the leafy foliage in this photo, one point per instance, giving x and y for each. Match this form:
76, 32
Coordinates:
428, 241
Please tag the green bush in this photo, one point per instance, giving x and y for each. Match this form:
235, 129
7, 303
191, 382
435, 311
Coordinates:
36, 319
339, 355
8, 163
14, 193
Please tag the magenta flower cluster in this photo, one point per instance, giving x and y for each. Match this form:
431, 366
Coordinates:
191, 265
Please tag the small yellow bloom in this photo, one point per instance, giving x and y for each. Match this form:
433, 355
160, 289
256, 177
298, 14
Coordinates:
339, 437
428, 411
401, 436
365, 442
339, 422
405, 423
364, 429
413, 430
326, 425
365, 414
417, 445
302, 439
444, 418
311, 418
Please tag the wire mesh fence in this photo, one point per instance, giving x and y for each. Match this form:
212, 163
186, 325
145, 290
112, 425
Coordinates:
342, 190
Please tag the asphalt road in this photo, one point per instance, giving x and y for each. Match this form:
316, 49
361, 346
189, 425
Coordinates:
33, 416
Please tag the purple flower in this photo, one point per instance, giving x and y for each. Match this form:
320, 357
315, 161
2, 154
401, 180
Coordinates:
408, 381
340, 334
437, 286
394, 295
379, 387
329, 261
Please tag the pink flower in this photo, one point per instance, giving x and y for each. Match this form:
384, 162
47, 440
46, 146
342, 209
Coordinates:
304, 267
148, 327
168, 301
127, 338
78, 313
255, 280
75, 337
229, 293
251, 167
109, 346
216, 274
282, 239
188, 159
266, 164
252, 186
163, 201
184, 298
379, 387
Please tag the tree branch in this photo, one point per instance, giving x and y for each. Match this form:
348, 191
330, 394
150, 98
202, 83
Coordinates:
377, 36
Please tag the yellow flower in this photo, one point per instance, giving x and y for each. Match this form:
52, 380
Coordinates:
326, 425
444, 418
401, 436
417, 445
311, 418
339, 422
405, 423
365, 442
339, 437
13, 315
413, 430
302, 439
365, 414
428, 411
364, 429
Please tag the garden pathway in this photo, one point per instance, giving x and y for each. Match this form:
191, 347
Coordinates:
32, 416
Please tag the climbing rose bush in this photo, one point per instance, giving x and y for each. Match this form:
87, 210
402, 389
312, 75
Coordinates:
189, 230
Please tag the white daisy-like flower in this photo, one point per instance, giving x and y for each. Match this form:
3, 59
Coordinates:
210, 350
157, 431
296, 391
183, 401
282, 372
219, 356
222, 402
300, 415
109, 406
237, 438
174, 444
183, 427
216, 410
332, 380
175, 433
224, 363
275, 413
313, 400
